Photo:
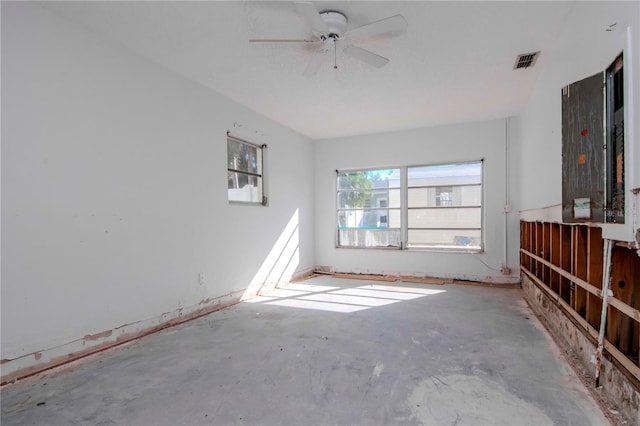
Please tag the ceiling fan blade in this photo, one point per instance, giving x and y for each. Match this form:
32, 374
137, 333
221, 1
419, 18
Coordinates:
366, 56
395, 23
319, 57
280, 40
311, 14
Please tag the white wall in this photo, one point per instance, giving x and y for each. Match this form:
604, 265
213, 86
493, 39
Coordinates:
539, 128
114, 191
456, 143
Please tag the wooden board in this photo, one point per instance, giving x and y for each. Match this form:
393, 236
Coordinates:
366, 277
426, 280
387, 278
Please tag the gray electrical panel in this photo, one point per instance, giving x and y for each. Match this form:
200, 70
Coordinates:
583, 144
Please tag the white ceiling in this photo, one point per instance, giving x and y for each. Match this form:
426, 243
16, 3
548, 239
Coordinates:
453, 64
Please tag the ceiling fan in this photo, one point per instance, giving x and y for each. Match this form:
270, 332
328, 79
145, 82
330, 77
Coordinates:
329, 28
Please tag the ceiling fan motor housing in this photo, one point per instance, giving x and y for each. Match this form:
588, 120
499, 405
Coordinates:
336, 23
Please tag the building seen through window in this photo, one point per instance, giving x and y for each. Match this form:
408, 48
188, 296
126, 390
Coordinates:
443, 207
244, 171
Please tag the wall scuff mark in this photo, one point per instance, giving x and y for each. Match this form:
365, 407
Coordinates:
98, 336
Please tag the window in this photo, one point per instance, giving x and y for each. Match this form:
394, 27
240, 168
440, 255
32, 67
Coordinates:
244, 170
443, 196
360, 224
436, 207
444, 204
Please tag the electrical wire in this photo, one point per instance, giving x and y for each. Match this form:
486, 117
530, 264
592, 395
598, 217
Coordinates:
481, 261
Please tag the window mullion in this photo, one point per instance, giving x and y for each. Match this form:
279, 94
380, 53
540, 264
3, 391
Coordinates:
404, 213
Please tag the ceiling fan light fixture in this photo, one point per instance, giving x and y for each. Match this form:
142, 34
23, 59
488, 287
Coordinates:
336, 24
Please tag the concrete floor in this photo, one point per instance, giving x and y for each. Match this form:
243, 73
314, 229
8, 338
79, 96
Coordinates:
326, 351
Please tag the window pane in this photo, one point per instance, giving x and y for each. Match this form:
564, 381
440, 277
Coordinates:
444, 206
470, 195
365, 219
445, 218
369, 179
244, 164
445, 174
445, 196
369, 198
463, 239
244, 157
394, 198
368, 204
369, 237
244, 187
421, 197
394, 218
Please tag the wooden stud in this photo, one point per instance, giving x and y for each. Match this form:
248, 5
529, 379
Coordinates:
565, 261
524, 238
554, 281
625, 273
538, 247
595, 247
572, 278
546, 250
591, 332
579, 268
557, 257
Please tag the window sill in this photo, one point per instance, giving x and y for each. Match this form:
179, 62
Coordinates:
418, 249
247, 203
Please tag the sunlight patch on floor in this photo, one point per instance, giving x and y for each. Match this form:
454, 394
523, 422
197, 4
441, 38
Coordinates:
339, 299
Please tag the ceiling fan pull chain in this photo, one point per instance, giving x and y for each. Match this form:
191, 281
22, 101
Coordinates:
335, 56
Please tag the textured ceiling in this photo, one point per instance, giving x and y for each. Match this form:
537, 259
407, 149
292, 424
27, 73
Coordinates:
453, 64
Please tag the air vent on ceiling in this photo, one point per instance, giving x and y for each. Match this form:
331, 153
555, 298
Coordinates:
526, 60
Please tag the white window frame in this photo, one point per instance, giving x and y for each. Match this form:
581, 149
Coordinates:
468, 248
373, 206
404, 209
253, 199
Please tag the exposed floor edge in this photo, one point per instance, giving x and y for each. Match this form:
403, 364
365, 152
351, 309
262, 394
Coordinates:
617, 398
386, 278
302, 275
582, 373
38, 362
412, 279
489, 284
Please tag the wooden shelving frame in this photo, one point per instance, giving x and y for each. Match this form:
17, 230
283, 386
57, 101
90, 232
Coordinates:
566, 262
